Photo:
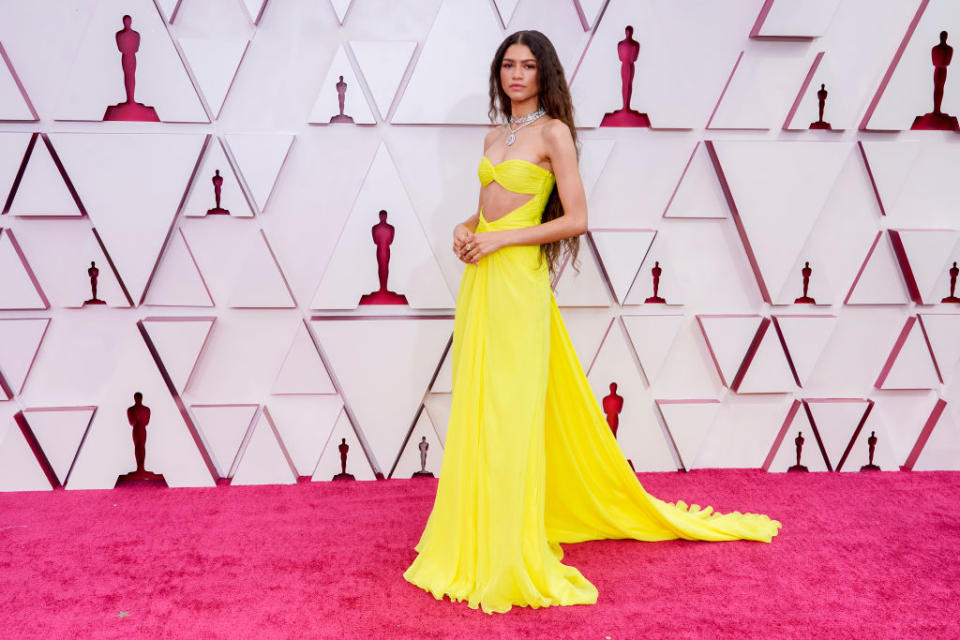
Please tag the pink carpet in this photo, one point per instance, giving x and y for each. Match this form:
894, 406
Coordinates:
859, 556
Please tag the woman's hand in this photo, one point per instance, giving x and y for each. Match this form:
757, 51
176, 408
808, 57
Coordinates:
478, 245
460, 234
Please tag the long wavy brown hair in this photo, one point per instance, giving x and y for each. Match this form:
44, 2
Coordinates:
555, 100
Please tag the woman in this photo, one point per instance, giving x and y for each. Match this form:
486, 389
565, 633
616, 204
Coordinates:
529, 460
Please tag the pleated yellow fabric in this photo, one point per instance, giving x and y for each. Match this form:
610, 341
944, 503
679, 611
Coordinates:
529, 461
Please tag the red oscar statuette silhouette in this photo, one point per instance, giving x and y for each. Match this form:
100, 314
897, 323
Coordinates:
128, 42
217, 180
806, 272
872, 443
344, 448
822, 100
941, 54
612, 406
799, 442
383, 233
93, 272
656, 272
341, 95
954, 272
423, 445
139, 416
627, 49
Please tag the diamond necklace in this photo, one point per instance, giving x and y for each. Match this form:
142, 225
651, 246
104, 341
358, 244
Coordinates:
524, 121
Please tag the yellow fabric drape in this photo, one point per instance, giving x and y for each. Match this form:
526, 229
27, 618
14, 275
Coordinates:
529, 461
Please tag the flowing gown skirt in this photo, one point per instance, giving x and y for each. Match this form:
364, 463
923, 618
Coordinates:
529, 460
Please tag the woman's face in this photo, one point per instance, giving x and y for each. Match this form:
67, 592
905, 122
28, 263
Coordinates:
518, 73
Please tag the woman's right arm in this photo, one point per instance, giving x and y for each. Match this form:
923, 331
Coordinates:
469, 225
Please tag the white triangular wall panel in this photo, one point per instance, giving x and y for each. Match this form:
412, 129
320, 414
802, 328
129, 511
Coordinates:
263, 460
689, 422
909, 91
797, 20
505, 9
883, 455
880, 280
14, 103
168, 9
329, 464
639, 433
131, 185
107, 452
60, 254
96, 79
443, 383
383, 367
698, 193
20, 340
383, 64
461, 28
214, 63
768, 370
305, 425
13, 146
761, 90
17, 287
178, 281
589, 11
942, 449
805, 337
594, 153
905, 414
353, 269
586, 287
910, 363
728, 337
786, 454
259, 157
340, 7
260, 282
19, 468
179, 342
303, 371
202, 197
409, 461
587, 329
327, 104
255, 9
929, 254
779, 191
836, 420
670, 285
890, 165
42, 190
652, 337
743, 431
673, 82
942, 331
59, 432
223, 428
438, 406
622, 253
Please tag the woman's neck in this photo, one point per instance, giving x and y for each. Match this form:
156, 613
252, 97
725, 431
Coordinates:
524, 108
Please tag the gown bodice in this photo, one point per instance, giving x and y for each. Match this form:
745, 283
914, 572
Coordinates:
519, 176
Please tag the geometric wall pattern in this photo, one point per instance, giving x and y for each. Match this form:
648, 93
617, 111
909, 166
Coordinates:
211, 249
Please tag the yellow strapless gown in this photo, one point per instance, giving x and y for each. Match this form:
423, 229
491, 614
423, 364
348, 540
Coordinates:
529, 460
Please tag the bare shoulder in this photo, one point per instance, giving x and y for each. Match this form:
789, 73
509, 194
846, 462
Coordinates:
556, 133
492, 135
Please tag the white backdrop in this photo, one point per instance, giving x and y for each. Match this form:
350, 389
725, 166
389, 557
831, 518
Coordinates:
244, 333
